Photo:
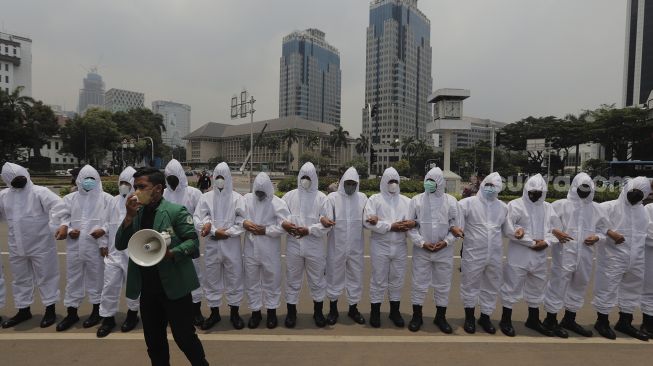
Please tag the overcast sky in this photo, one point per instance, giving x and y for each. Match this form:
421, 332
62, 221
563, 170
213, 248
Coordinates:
518, 57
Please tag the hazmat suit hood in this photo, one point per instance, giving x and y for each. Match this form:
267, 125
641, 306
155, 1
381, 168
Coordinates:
350, 174
579, 180
388, 175
496, 180
223, 170
88, 172
641, 183
438, 177
127, 175
535, 183
263, 183
174, 168
308, 170
11, 171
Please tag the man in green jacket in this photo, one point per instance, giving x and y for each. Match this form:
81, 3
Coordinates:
164, 288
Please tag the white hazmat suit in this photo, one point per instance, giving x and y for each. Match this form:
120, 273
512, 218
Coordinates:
647, 295
306, 206
223, 209
483, 218
115, 264
33, 256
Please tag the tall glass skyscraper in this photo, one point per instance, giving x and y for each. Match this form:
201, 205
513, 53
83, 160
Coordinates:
92, 94
397, 76
638, 63
309, 85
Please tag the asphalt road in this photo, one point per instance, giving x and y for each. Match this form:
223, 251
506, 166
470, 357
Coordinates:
345, 343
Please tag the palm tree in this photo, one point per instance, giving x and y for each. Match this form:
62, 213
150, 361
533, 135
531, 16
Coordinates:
362, 143
244, 144
312, 141
18, 104
408, 147
338, 137
289, 137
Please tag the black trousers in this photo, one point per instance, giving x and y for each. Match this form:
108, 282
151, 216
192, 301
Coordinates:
157, 311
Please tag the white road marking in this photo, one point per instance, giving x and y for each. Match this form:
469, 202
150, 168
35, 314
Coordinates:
27, 336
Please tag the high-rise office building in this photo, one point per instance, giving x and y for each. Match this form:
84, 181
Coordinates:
91, 95
15, 64
638, 62
397, 76
118, 100
309, 84
176, 117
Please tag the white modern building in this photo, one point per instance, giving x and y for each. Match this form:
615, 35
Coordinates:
480, 130
59, 161
176, 117
119, 100
15, 63
91, 95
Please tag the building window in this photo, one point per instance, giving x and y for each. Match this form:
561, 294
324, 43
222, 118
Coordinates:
56, 145
56, 160
7, 79
6, 67
14, 50
48, 144
64, 160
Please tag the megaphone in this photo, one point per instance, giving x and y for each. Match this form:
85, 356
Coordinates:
148, 247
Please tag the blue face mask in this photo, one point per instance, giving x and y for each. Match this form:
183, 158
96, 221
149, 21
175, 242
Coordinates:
430, 186
89, 184
489, 191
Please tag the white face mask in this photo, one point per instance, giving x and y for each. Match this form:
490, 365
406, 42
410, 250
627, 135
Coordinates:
306, 183
219, 183
124, 189
393, 187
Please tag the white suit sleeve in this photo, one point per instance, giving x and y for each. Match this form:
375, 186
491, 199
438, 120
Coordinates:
237, 228
603, 225
511, 224
553, 223
317, 229
413, 233
381, 226
60, 213
281, 214
454, 219
649, 231
103, 241
48, 199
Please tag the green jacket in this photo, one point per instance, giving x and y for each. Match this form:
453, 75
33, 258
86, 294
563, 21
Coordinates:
178, 276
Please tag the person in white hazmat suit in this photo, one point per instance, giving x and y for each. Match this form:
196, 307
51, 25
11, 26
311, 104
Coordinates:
219, 218
386, 215
82, 219
178, 191
32, 249
345, 245
436, 214
620, 260
647, 295
115, 264
583, 223
305, 250
483, 218
265, 216
530, 221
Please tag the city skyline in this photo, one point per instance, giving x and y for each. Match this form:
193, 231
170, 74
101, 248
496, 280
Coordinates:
513, 60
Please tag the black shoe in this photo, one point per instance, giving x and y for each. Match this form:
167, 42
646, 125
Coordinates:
69, 320
485, 323
625, 325
332, 317
395, 314
470, 321
107, 326
50, 316
647, 324
441, 320
235, 318
569, 322
355, 315
506, 323
291, 317
93, 319
533, 322
22, 315
272, 321
416, 321
254, 320
551, 323
602, 326
198, 318
318, 316
130, 321
375, 315
212, 320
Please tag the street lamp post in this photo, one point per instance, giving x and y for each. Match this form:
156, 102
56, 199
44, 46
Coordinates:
151, 142
240, 109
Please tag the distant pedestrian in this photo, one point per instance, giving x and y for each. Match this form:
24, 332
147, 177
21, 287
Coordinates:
204, 182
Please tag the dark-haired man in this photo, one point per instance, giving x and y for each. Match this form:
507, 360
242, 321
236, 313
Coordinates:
165, 288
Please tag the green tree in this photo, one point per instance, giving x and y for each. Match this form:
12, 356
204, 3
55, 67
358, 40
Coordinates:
312, 141
90, 137
624, 132
360, 164
289, 137
362, 144
40, 124
13, 115
338, 137
403, 167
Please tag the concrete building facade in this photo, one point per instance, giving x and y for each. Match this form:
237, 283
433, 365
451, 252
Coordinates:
15, 63
119, 100
176, 117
